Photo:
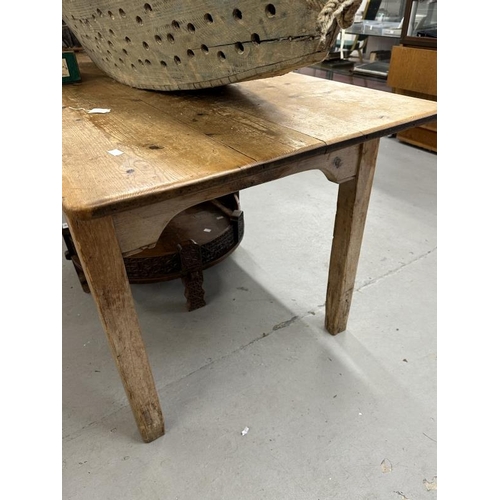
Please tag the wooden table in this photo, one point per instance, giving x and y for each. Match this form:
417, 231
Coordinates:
175, 150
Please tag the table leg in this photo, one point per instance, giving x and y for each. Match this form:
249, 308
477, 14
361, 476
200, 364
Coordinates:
102, 261
352, 207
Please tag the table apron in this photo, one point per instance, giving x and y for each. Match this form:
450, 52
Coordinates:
140, 228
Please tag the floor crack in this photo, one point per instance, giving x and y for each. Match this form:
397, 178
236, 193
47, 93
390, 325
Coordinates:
394, 271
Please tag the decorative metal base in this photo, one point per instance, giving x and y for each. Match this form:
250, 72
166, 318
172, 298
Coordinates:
194, 240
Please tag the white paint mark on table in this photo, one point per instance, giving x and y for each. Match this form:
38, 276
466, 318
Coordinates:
115, 152
93, 111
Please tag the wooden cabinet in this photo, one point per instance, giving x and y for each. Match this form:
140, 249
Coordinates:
413, 67
413, 72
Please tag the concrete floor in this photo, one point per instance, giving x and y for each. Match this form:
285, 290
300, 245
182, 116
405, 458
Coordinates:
351, 417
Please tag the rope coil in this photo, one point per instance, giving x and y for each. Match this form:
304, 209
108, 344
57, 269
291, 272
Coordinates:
342, 11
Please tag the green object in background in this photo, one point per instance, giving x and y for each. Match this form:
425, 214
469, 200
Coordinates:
70, 71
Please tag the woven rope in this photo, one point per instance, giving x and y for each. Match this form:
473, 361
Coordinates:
342, 11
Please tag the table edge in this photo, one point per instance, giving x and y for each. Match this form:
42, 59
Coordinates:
104, 208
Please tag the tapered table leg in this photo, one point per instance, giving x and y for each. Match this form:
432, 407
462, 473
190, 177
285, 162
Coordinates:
102, 262
352, 207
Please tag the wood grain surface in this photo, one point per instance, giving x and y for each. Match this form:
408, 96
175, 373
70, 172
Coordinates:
174, 144
101, 259
352, 208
